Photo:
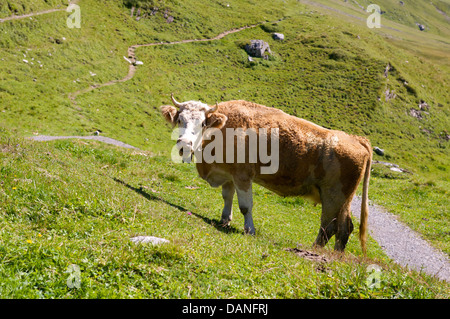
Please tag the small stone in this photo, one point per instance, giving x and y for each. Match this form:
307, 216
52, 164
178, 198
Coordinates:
378, 151
149, 239
278, 36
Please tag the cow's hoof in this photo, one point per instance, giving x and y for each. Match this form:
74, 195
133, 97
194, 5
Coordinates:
249, 231
225, 222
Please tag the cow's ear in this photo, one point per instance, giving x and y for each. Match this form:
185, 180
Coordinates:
216, 120
170, 113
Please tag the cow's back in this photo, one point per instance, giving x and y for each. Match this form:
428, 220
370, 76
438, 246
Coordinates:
309, 155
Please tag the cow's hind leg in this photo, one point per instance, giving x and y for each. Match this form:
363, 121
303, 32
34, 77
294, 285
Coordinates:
328, 226
344, 227
245, 199
228, 191
335, 220
333, 207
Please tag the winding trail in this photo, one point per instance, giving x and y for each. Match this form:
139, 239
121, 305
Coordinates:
132, 57
31, 14
400, 243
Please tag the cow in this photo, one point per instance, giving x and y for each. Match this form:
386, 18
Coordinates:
323, 165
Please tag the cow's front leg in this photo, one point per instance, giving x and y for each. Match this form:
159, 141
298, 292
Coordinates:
227, 195
245, 199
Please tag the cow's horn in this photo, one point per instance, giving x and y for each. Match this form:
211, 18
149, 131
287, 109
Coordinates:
177, 104
214, 108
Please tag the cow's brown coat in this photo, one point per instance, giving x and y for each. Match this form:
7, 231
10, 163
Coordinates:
323, 165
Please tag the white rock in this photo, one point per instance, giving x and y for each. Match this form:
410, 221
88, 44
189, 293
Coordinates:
278, 36
128, 60
149, 239
26, 61
139, 62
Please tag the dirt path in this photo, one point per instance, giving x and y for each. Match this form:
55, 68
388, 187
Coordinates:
402, 244
29, 15
132, 58
14, 17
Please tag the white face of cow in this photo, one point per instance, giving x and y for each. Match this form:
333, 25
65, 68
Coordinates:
191, 117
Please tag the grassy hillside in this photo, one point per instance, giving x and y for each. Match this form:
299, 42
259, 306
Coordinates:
72, 202
76, 202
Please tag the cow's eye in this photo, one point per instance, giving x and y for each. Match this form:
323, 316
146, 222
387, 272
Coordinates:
178, 121
204, 123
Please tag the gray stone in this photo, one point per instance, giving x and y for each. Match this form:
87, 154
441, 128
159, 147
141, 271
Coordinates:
257, 48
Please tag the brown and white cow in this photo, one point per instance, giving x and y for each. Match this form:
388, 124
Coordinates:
323, 165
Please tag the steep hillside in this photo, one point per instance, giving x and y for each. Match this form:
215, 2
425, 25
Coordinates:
389, 84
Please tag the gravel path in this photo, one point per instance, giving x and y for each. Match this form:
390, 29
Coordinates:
402, 244
104, 139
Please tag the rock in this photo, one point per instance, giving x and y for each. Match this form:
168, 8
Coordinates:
421, 26
386, 70
389, 95
416, 113
257, 48
138, 63
278, 36
378, 151
392, 167
250, 59
149, 239
423, 105
169, 19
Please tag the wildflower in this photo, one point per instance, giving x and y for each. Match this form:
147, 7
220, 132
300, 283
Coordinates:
14, 188
29, 241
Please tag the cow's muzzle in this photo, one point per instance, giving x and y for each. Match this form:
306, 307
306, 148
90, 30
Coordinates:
185, 150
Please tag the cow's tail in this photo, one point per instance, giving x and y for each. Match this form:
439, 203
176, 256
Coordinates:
365, 199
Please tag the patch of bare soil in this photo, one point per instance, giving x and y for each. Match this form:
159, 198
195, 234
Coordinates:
309, 255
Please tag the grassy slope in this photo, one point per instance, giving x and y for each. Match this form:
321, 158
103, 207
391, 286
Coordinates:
110, 195
323, 72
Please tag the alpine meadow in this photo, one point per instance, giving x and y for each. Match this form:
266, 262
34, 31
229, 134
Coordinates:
74, 211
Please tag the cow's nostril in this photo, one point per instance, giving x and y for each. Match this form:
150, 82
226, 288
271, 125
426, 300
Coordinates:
186, 143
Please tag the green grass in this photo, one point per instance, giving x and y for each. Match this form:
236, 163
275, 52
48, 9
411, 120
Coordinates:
79, 202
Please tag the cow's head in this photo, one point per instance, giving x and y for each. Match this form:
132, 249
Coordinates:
192, 118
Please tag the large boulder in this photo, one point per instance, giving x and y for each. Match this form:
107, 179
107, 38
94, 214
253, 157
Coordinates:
257, 48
